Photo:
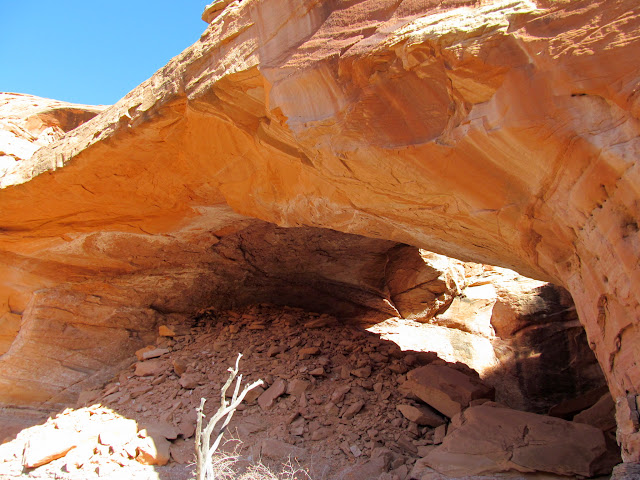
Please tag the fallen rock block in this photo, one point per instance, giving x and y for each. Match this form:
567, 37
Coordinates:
446, 389
165, 331
364, 372
48, 446
143, 350
421, 415
153, 451
297, 387
149, 368
155, 353
270, 395
189, 381
308, 352
489, 439
179, 366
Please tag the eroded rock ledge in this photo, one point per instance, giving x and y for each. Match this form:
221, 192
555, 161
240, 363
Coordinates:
501, 132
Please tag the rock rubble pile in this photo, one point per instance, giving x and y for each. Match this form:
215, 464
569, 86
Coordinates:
337, 399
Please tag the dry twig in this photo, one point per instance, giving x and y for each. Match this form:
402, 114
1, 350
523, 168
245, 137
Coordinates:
204, 449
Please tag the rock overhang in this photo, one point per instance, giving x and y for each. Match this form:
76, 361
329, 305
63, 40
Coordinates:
526, 158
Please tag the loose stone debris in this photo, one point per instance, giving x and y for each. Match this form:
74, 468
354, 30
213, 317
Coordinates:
338, 400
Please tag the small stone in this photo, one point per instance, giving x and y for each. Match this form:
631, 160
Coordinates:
267, 399
157, 352
182, 452
179, 366
425, 450
189, 381
48, 446
399, 368
339, 393
317, 372
355, 451
150, 367
331, 410
305, 353
353, 409
142, 351
165, 331
320, 434
297, 386
364, 372
187, 429
439, 434
153, 451
273, 351
252, 395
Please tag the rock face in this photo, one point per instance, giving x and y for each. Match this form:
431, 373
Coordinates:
28, 123
477, 438
500, 132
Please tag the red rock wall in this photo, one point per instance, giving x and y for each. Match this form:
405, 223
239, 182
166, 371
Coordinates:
505, 133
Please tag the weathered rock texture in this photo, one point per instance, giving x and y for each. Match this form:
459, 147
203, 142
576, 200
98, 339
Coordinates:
488, 439
501, 132
27, 123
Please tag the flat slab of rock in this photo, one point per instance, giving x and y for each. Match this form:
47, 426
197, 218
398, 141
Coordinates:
421, 471
270, 395
150, 368
421, 415
48, 446
446, 389
489, 439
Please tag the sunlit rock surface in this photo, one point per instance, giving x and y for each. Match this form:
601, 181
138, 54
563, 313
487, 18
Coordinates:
501, 132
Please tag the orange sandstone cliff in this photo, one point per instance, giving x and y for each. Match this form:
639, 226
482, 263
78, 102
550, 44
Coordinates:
502, 132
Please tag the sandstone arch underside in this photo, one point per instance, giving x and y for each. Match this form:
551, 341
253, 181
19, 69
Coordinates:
504, 132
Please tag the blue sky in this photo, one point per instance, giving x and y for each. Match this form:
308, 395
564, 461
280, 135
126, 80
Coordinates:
91, 52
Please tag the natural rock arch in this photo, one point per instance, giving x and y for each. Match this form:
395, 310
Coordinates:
505, 133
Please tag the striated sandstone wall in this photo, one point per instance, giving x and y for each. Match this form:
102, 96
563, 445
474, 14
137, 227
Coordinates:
504, 132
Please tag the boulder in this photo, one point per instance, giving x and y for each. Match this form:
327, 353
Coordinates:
267, 399
150, 367
421, 415
49, 445
153, 450
421, 471
489, 439
117, 432
601, 415
446, 389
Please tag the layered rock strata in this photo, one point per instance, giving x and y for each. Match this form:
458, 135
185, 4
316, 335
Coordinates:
501, 132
